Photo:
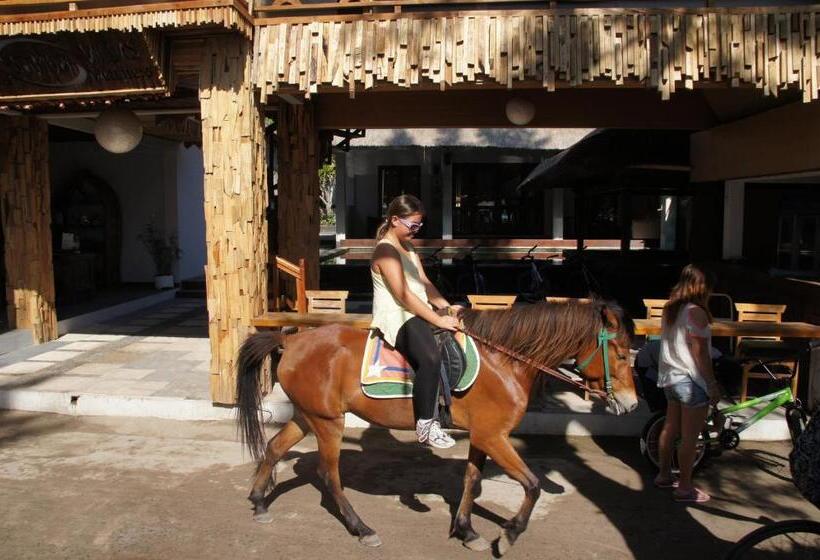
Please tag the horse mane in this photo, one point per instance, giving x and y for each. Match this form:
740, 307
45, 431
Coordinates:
548, 333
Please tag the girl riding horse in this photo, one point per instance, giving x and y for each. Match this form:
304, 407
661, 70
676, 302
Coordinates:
319, 370
402, 312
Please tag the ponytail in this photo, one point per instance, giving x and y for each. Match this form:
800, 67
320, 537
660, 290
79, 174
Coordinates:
382, 231
402, 206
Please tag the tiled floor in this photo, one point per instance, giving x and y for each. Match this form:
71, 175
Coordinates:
160, 351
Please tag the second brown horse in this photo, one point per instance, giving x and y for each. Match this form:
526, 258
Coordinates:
319, 371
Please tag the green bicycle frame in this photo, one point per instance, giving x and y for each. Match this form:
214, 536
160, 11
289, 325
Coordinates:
775, 400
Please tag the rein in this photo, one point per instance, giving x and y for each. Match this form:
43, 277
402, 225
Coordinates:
603, 338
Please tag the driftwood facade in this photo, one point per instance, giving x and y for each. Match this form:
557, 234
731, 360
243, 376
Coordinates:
663, 51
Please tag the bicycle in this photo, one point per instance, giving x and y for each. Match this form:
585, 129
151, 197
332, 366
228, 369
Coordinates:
434, 269
722, 430
795, 540
473, 281
533, 285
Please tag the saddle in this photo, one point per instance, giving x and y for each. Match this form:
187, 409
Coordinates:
453, 364
386, 374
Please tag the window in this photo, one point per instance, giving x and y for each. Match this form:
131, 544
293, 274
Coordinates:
395, 180
798, 245
486, 202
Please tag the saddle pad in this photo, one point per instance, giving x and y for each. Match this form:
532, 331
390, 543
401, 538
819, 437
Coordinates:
386, 374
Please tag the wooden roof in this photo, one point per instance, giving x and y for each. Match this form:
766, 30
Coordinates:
35, 17
768, 48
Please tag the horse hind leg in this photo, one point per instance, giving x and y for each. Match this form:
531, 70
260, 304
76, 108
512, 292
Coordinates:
462, 527
506, 457
329, 437
293, 432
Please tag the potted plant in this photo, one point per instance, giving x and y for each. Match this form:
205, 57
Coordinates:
164, 251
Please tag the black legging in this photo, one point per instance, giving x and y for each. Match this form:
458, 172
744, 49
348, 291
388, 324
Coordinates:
416, 342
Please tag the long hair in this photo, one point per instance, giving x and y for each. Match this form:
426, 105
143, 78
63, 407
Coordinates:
694, 286
402, 206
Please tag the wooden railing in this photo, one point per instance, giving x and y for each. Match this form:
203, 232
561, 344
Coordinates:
279, 295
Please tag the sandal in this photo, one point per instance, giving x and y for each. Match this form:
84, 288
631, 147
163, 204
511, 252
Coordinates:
695, 496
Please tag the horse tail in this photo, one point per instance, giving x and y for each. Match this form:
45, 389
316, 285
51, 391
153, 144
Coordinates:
251, 356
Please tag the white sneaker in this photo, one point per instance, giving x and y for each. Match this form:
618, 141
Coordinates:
430, 432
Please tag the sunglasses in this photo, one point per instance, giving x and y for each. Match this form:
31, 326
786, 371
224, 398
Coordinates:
412, 226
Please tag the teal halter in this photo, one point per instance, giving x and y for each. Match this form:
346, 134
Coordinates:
604, 336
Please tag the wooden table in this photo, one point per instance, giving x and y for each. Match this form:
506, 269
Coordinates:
723, 327
273, 319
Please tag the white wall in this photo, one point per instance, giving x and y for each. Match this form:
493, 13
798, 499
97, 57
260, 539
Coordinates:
144, 181
191, 212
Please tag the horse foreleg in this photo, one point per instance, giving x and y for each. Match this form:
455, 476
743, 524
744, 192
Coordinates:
329, 438
506, 457
293, 432
462, 524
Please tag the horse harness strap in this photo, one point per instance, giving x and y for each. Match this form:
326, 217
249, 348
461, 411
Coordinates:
604, 336
548, 370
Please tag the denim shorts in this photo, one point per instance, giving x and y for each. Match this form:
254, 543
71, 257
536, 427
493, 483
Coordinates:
688, 393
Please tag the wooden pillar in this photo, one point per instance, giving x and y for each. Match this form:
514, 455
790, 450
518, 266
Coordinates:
298, 199
25, 195
234, 154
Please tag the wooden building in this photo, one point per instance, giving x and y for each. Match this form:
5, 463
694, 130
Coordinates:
743, 80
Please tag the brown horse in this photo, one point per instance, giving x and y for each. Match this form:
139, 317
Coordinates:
319, 370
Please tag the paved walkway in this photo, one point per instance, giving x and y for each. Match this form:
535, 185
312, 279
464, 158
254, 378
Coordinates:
160, 351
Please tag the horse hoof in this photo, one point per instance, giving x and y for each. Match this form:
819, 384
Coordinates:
371, 540
478, 544
503, 544
264, 517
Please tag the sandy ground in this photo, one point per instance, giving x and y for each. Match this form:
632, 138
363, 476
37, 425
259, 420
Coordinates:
150, 489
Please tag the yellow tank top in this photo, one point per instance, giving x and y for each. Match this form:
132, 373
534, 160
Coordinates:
388, 313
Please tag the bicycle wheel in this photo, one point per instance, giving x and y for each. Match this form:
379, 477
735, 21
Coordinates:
795, 540
796, 419
649, 443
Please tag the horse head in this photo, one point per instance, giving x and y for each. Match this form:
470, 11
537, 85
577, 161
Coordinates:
605, 361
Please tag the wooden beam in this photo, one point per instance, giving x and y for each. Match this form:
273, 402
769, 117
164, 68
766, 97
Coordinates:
25, 196
236, 195
298, 199
579, 108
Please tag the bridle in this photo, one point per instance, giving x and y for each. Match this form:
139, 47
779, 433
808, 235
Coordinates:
604, 336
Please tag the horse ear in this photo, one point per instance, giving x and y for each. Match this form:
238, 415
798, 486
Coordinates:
610, 318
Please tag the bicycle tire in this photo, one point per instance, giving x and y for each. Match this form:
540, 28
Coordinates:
649, 443
796, 420
795, 540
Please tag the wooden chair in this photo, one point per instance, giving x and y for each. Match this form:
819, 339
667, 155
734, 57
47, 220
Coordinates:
763, 313
654, 308
484, 301
280, 272
561, 299
326, 301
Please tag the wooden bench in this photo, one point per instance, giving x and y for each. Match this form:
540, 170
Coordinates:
326, 301
484, 301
